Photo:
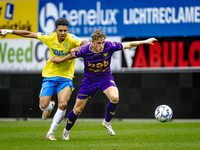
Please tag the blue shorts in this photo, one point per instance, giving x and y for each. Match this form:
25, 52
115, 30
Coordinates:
89, 87
52, 84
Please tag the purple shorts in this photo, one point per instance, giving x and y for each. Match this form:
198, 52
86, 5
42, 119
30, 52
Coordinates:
89, 87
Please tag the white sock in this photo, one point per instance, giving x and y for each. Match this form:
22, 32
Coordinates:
50, 107
54, 126
58, 117
66, 130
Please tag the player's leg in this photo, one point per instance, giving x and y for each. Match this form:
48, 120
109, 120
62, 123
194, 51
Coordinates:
64, 89
72, 117
109, 88
63, 98
46, 105
113, 95
47, 91
86, 89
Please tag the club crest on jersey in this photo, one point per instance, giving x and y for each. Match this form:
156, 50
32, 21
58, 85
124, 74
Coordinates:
105, 55
113, 44
65, 45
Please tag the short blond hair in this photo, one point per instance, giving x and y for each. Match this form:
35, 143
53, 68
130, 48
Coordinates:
98, 34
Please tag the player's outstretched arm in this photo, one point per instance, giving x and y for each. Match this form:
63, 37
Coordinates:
72, 55
84, 42
22, 33
137, 43
57, 60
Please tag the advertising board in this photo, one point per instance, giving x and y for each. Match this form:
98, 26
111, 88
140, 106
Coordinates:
123, 18
18, 15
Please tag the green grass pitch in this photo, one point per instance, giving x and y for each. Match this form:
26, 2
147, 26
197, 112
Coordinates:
90, 135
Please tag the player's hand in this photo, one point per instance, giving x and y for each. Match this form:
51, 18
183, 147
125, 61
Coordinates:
5, 31
56, 60
1, 32
151, 40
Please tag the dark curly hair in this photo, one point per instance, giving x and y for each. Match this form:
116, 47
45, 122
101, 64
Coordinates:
61, 21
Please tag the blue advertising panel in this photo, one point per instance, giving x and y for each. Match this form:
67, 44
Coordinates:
126, 18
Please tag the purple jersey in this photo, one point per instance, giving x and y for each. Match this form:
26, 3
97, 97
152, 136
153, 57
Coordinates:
97, 64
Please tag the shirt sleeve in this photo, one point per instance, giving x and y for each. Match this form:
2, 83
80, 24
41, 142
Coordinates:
76, 40
81, 52
116, 46
43, 37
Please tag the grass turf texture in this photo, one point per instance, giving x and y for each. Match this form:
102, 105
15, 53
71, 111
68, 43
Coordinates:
87, 135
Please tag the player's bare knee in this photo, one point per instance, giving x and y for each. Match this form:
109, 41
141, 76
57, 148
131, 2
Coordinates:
44, 102
44, 105
77, 110
62, 106
114, 99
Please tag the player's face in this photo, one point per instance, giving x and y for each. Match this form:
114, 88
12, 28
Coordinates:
62, 32
99, 44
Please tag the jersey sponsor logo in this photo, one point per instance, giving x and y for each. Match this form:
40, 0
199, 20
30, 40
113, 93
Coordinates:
59, 53
99, 65
98, 70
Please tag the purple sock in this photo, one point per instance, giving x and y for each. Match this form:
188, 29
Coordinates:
71, 120
110, 111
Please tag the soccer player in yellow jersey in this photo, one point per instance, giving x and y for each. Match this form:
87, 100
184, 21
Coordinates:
57, 77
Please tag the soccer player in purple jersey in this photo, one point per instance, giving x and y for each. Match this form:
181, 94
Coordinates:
97, 75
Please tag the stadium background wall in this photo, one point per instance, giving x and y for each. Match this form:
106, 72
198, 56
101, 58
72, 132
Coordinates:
175, 24
140, 94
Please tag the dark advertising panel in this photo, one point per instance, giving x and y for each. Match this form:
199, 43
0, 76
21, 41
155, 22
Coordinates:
168, 53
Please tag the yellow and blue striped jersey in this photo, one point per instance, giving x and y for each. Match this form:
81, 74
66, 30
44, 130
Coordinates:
66, 68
